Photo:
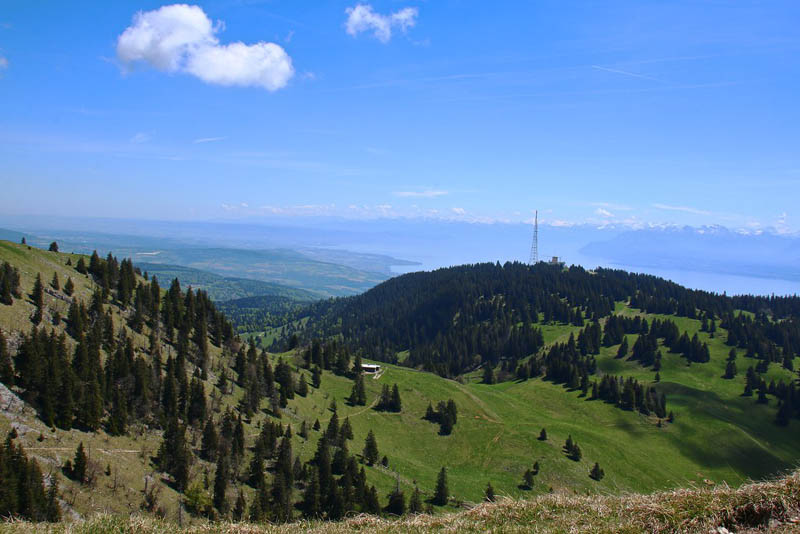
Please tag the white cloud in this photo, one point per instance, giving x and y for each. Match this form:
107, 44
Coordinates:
208, 140
459, 211
3, 63
140, 138
362, 18
603, 212
420, 194
181, 38
685, 209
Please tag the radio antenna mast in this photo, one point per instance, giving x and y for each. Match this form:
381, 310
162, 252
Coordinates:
535, 244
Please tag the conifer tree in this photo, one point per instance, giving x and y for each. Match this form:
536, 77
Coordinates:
396, 404
527, 479
6, 367
358, 395
623, 348
209, 444
221, 484
79, 464
441, 493
302, 386
37, 295
69, 287
53, 508
370, 449
311, 496
54, 283
415, 502
397, 502
53, 247
488, 374
596, 473
730, 369
346, 431
240, 507
316, 377
488, 495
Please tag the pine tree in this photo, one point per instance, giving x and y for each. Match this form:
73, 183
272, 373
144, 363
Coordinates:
730, 370
53, 508
415, 502
397, 502
53, 247
489, 493
596, 473
623, 348
302, 386
79, 465
69, 287
543, 435
240, 507
54, 283
311, 496
316, 377
371, 449
527, 479
38, 299
441, 493
208, 449
221, 484
6, 366
396, 404
488, 374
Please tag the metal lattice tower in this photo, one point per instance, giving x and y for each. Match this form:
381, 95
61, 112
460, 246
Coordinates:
535, 244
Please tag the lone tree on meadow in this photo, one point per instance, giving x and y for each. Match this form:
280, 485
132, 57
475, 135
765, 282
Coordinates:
597, 472
53, 247
441, 494
527, 479
371, 449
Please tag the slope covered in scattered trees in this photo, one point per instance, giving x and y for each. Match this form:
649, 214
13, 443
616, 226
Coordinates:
142, 397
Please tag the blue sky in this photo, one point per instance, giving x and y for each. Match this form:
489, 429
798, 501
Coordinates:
606, 111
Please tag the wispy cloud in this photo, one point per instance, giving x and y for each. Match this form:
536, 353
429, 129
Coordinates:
208, 140
603, 212
3, 63
140, 137
362, 18
684, 209
611, 206
428, 193
626, 73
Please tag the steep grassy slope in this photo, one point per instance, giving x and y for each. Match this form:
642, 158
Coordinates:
764, 507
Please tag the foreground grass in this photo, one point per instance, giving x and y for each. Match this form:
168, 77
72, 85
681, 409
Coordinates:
759, 507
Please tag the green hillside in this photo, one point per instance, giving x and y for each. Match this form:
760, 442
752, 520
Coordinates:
277, 266
221, 288
715, 434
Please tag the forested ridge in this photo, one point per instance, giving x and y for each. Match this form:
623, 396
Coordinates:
454, 320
